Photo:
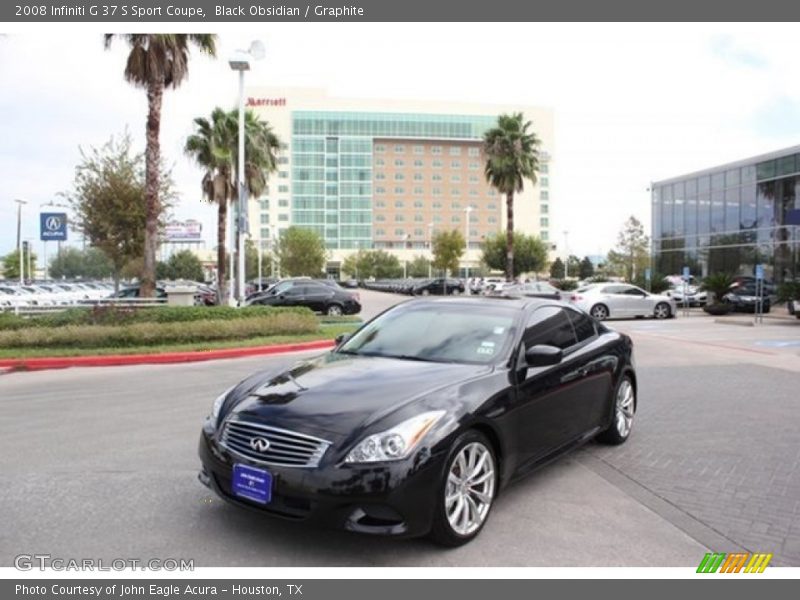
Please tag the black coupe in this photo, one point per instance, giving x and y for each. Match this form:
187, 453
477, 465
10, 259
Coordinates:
415, 423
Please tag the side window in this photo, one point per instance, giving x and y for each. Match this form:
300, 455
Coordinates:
614, 289
549, 325
634, 291
295, 290
583, 324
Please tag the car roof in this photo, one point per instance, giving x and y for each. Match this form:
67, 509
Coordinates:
517, 302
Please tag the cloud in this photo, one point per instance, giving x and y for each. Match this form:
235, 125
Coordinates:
727, 49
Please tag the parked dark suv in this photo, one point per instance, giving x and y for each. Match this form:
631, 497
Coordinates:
312, 294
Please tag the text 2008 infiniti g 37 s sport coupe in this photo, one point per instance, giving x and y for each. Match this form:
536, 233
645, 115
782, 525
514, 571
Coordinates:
415, 423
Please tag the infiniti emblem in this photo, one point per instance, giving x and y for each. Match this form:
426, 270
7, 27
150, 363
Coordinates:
259, 444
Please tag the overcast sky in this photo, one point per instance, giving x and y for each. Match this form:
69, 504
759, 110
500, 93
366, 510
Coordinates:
633, 103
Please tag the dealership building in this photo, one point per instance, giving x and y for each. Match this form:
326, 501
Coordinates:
389, 174
730, 218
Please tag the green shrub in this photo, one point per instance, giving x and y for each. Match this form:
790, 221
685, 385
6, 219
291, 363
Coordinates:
788, 290
153, 333
565, 285
717, 285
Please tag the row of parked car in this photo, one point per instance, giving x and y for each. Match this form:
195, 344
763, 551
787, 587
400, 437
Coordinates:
50, 294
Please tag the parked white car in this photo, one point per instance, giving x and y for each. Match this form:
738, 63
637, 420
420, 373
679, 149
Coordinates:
692, 296
618, 300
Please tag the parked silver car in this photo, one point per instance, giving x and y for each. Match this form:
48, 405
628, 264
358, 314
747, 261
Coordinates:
617, 300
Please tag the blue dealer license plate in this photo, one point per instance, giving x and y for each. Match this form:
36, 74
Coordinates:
251, 483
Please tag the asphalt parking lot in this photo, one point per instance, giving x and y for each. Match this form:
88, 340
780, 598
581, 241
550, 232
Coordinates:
102, 463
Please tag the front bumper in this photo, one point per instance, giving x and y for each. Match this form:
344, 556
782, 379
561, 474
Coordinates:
396, 499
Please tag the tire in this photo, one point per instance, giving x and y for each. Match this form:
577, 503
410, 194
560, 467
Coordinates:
624, 411
425, 292
470, 443
334, 310
662, 311
599, 312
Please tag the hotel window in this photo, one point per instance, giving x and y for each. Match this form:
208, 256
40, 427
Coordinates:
492, 220
418, 177
265, 234
473, 179
380, 148
473, 233
544, 195
455, 219
455, 192
455, 178
283, 189
455, 150
473, 206
380, 204
398, 204
379, 162
380, 232
544, 182
283, 160
419, 149
283, 203
473, 218
543, 168
264, 204
419, 163
491, 192
436, 164
544, 222
491, 206
399, 176
418, 191
283, 174
418, 218
455, 205
437, 218
380, 218
399, 218
399, 190
400, 232
544, 209
380, 190
265, 219
436, 177
455, 164
380, 176
283, 217
437, 206
473, 192
474, 152
474, 165
436, 191
418, 204
418, 232
399, 149
544, 236
436, 149
399, 162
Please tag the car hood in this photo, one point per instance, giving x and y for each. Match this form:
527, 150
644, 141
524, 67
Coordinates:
340, 393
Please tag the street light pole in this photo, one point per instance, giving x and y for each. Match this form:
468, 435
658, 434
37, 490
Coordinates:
566, 254
430, 248
468, 210
19, 239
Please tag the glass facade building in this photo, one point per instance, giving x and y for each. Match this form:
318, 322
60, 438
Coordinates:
332, 155
730, 218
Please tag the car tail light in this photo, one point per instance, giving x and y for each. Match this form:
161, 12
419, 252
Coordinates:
575, 298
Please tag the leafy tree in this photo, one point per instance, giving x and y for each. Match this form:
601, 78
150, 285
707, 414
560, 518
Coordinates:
574, 266
215, 148
448, 246
107, 198
157, 62
185, 265
379, 264
420, 266
512, 155
73, 263
632, 253
301, 251
586, 268
557, 269
530, 253
251, 261
11, 265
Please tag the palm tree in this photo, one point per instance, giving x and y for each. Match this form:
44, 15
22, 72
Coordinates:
214, 146
512, 155
156, 62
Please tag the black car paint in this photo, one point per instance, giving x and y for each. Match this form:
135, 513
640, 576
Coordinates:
530, 414
317, 296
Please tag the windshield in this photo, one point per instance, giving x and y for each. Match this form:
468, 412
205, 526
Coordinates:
445, 333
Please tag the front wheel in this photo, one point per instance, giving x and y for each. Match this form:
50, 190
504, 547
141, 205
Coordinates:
465, 496
334, 310
624, 410
662, 311
599, 312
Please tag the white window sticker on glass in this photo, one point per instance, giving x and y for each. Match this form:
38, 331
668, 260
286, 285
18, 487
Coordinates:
499, 330
485, 350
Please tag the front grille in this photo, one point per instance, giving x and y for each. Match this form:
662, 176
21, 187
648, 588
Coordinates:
286, 448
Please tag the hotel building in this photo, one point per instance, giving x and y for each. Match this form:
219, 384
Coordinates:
389, 174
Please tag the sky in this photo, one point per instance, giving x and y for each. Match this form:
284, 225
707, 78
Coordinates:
633, 103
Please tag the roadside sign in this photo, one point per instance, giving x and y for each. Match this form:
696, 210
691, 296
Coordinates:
759, 271
53, 227
648, 274
686, 274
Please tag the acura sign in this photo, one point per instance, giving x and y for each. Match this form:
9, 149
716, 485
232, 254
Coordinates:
53, 227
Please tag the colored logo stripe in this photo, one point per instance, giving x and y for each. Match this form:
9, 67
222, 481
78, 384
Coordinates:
734, 563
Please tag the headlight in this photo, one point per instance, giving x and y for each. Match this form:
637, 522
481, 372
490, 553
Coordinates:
395, 443
218, 403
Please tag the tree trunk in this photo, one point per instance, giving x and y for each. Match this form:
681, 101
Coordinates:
510, 236
155, 94
222, 227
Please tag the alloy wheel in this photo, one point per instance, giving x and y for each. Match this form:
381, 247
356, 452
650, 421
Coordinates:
334, 310
470, 488
625, 407
599, 312
661, 311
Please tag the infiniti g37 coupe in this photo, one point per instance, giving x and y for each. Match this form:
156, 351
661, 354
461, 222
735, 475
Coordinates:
416, 422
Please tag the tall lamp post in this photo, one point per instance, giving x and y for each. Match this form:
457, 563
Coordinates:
430, 247
240, 62
467, 210
19, 239
566, 254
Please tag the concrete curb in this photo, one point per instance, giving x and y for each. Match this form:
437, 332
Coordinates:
114, 360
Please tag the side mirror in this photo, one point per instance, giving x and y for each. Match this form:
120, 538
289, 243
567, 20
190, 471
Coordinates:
341, 338
543, 355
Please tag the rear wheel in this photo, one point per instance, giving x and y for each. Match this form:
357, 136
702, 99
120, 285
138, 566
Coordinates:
662, 311
599, 312
334, 310
465, 496
425, 292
